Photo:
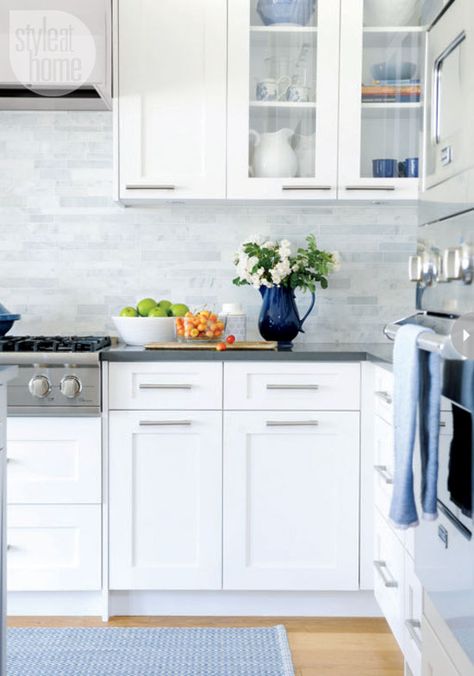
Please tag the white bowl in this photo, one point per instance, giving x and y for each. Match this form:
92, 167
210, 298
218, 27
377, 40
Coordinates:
144, 330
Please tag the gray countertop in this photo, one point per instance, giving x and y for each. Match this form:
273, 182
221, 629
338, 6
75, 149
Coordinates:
7, 373
376, 352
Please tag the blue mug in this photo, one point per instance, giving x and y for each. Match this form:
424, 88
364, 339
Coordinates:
385, 168
411, 167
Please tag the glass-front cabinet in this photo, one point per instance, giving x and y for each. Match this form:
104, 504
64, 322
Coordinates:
283, 99
381, 110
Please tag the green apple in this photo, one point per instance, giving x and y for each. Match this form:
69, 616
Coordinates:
179, 309
157, 312
128, 312
165, 304
145, 305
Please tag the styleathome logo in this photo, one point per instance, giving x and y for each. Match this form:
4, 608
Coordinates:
50, 49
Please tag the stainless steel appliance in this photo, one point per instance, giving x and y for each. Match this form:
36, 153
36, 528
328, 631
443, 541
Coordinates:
448, 152
444, 271
57, 375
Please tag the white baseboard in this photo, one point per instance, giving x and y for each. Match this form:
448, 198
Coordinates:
307, 604
195, 603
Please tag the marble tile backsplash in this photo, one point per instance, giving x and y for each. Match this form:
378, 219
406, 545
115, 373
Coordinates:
70, 257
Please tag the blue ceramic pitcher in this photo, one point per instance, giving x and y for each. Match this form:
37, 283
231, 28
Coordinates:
279, 318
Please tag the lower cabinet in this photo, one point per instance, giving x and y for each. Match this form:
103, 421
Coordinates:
436, 661
165, 499
291, 500
51, 548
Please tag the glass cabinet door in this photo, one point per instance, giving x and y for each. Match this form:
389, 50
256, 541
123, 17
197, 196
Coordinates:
381, 98
282, 130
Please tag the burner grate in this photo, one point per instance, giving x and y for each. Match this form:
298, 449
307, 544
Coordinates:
53, 343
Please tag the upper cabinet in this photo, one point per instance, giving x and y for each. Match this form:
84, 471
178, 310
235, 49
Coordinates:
283, 99
171, 111
381, 110
268, 99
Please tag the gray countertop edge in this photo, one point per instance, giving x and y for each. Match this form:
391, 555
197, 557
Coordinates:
373, 353
7, 373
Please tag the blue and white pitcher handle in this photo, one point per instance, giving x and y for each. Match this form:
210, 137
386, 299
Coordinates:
311, 306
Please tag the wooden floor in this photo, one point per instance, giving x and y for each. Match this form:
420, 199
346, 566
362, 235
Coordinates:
320, 647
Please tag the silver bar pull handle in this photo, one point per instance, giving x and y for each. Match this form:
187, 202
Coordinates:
442, 424
384, 396
164, 386
413, 627
384, 473
165, 423
389, 582
147, 186
358, 188
306, 187
292, 423
272, 386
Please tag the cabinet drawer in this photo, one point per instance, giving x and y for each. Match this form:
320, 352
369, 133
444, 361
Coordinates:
290, 386
189, 385
436, 661
54, 460
389, 564
384, 394
54, 548
383, 465
413, 611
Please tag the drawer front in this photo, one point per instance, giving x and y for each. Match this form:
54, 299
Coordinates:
290, 386
54, 548
384, 394
413, 609
383, 465
54, 460
389, 564
436, 661
167, 386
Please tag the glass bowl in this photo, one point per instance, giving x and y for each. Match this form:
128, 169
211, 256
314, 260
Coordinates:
203, 326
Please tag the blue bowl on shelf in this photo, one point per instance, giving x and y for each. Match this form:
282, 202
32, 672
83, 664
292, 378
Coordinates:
404, 70
7, 319
296, 12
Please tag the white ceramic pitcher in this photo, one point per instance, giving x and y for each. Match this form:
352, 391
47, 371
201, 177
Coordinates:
273, 156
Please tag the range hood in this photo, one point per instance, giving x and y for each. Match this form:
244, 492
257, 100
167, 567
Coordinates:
56, 55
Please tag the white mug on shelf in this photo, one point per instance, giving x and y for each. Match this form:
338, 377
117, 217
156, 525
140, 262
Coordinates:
272, 89
298, 93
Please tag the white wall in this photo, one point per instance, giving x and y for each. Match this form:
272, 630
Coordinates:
70, 256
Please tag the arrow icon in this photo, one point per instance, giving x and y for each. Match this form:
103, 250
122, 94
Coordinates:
465, 335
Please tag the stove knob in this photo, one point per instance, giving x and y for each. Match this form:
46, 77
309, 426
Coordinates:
70, 386
452, 264
39, 386
415, 268
467, 263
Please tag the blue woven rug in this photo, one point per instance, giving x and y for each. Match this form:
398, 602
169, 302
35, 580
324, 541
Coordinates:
149, 652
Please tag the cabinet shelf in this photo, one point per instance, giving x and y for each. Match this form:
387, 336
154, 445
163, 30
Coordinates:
394, 29
397, 109
284, 105
283, 29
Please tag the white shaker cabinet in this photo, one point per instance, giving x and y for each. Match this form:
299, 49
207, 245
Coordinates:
282, 144
171, 99
165, 499
380, 101
291, 500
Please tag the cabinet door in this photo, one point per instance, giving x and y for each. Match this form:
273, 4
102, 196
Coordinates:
54, 547
380, 99
291, 500
413, 610
172, 99
54, 460
283, 99
436, 661
165, 500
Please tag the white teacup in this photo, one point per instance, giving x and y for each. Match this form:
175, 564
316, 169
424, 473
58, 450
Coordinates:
271, 89
298, 93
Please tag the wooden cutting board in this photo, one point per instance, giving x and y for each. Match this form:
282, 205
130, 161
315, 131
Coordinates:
243, 345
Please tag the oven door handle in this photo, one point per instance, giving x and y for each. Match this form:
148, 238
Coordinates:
465, 532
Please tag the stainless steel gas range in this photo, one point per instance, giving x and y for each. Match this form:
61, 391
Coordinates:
58, 376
